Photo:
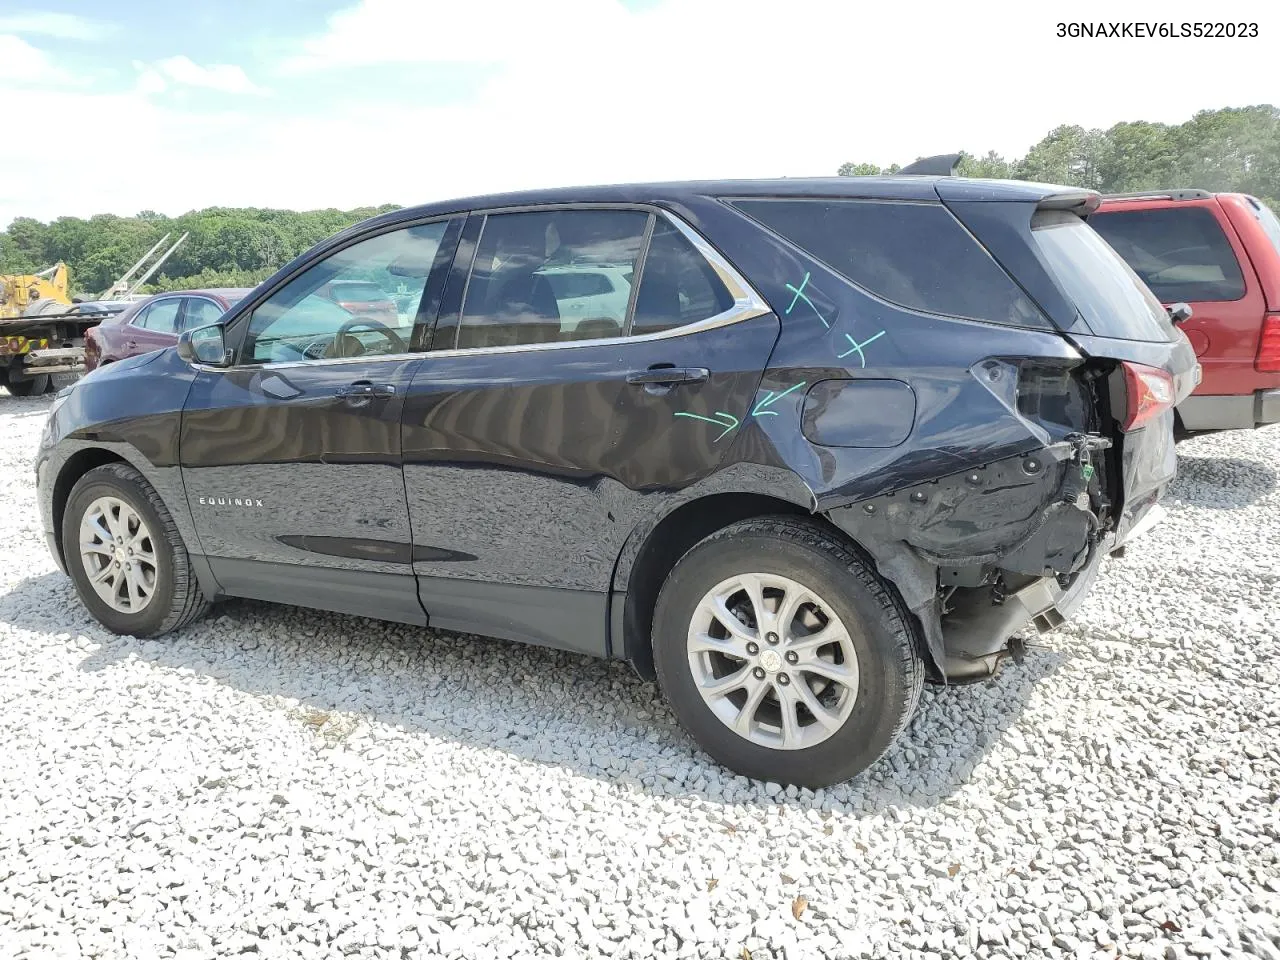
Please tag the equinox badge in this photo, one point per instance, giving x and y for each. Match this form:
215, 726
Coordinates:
230, 501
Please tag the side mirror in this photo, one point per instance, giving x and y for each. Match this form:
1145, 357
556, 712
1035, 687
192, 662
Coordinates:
204, 345
1179, 313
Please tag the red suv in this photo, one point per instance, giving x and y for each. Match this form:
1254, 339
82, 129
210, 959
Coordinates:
1220, 254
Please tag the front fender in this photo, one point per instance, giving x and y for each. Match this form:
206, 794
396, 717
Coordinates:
129, 411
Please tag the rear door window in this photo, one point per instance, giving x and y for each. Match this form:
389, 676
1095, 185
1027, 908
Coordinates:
1181, 253
916, 255
511, 298
200, 313
161, 316
677, 285
1112, 298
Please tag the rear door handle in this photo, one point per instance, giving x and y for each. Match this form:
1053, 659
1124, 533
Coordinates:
669, 375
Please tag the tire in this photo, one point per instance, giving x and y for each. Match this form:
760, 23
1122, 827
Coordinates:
44, 307
878, 657
172, 598
31, 387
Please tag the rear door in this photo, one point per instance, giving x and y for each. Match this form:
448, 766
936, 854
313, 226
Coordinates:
1188, 252
154, 328
291, 457
536, 437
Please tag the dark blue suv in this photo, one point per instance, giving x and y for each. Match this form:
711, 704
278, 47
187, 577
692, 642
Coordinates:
791, 447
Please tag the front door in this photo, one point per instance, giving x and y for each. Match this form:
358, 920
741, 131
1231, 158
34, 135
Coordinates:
291, 457
535, 432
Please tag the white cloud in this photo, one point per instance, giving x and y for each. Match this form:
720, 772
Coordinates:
588, 92
149, 81
23, 65
64, 26
223, 77
405, 31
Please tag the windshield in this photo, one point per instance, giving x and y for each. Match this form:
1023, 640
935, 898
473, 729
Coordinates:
1109, 295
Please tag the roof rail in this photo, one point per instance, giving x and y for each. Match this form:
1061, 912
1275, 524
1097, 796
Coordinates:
943, 165
1160, 195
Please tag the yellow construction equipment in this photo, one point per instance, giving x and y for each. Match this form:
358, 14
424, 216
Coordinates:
35, 294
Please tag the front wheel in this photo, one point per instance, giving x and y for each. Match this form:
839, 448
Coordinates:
123, 550
784, 654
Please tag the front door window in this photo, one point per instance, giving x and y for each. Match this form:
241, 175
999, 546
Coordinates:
361, 301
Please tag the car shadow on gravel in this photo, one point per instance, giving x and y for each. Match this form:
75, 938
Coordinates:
593, 717
1222, 483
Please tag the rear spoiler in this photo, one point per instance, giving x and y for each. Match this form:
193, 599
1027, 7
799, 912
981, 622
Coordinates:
1080, 202
943, 165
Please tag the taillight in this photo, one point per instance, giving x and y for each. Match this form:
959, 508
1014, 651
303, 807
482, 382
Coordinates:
1269, 346
1150, 394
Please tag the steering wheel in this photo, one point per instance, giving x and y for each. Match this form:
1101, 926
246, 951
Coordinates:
377, 326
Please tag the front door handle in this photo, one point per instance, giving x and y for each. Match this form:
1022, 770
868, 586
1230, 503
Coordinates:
363, 391
130, 344
665, 376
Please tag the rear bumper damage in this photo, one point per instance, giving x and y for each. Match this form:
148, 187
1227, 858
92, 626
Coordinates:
979, 554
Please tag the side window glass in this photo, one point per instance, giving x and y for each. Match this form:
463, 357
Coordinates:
162, 316
1181, 254
361, 300
677, 285
201, 313
553, 276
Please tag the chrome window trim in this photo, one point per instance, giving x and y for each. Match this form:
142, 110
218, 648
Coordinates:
747, 305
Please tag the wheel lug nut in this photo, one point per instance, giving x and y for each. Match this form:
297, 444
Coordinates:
793, 657
753, 648
771, 637
758, 673
783, 679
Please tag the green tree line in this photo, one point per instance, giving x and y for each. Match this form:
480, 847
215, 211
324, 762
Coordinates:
1236, 149
227, 247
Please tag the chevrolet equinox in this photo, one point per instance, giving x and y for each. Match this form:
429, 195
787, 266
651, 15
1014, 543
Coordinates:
840, 436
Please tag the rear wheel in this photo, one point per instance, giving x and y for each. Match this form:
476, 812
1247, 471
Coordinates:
123, 550
30, 387
784, 654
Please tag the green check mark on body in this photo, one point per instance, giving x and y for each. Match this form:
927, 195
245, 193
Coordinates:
771, 398
721, 419
728, 422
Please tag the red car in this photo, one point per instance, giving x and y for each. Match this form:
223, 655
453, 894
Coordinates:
155, 323
362, 299
1220, 254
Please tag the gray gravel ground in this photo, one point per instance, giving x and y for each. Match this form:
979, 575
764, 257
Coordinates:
309, 785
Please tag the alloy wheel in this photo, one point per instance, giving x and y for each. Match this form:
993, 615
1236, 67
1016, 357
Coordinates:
773, 661
118, 554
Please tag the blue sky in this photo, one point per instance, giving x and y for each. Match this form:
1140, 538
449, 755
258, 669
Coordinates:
312, 103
